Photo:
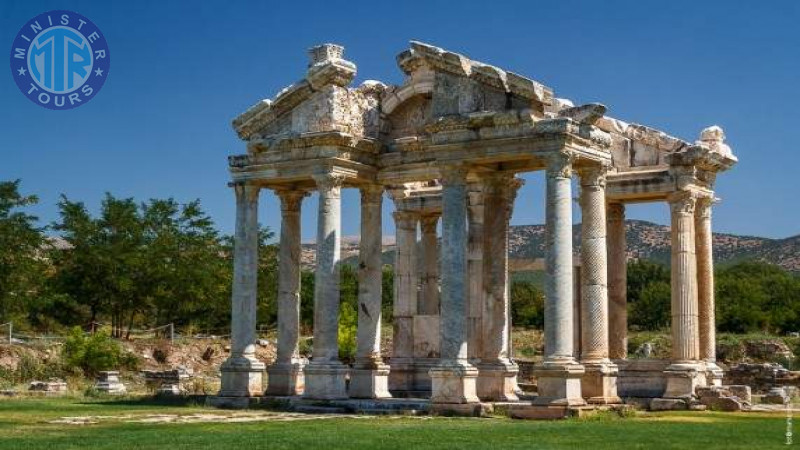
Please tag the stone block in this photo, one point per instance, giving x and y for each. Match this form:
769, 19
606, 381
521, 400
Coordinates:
454, 384
776, 396
108, 382
462, 409
559, 385
369, 383
683, 379
426, 336
52, 387
241, 377
325, 381
497, 382
599, 384
642, 378
285, 379
668, 404
540, 412
741, 391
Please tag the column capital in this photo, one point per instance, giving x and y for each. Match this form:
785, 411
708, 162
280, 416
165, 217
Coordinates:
328, 181
615, 211
428, 223
246, 191
559, 165
594, 175
371, 193
682, 202
703, 207
405, 218
291, 199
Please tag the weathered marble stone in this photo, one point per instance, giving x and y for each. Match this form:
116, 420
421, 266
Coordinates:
437, 142
108, 383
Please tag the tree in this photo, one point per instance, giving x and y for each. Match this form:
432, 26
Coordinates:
648, 295
527, 305
22, 267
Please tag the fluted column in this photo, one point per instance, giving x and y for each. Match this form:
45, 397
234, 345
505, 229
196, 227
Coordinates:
242, 372
559, 375
325, 375
600, 381
705, 287
401, 376
286, 373
369, 377
475, 258
430, 258
685, 373
496, 372
453, 379
617, 283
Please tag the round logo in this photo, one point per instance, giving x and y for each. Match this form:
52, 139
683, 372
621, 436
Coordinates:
60, 59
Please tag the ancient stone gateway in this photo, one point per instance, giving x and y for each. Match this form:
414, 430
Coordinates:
446, 145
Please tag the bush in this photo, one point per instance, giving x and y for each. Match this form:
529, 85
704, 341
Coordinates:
348, 327
95, 353
527, 305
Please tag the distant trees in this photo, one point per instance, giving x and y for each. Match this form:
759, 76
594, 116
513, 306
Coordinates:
750, 297
151, 263
146, 264
648, 295
22, 268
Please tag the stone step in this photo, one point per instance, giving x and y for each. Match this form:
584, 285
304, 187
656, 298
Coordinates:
316, 409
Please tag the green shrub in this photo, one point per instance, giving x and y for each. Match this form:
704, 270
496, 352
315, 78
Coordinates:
348, 326
96, 352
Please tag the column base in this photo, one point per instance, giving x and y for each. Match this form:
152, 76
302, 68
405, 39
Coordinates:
401, 374
497, 381
242, 376
454, 382
285, 379
599, 383
559, 384
369, 380
683, 378
325, 381
714, 374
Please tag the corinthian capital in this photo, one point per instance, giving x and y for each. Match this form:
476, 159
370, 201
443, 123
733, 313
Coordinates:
615, 212
291, 199
682, 202
593, 175
559, 165
328, 181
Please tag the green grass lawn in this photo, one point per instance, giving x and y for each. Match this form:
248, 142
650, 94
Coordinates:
23, 425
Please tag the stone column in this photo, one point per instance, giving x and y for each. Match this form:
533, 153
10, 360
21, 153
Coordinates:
496, 372
370, 376
401, 376
242, 372
475, 258
600, 382
705, 289
685, 372
453, 379
286, 373
559, 375
325, 375
617, 283
430, 257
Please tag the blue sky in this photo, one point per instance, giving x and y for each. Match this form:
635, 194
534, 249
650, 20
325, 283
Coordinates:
180, 72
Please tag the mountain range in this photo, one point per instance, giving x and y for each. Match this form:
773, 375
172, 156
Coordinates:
645, 240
